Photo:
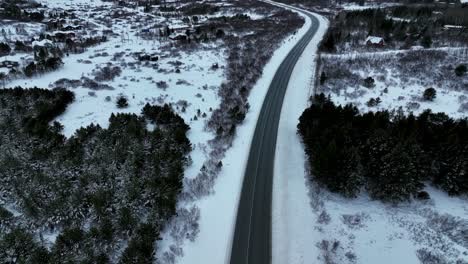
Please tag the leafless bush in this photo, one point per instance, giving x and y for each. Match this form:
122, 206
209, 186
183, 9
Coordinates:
324, 218
180, 82
413, 105
329, 250
162, 85
355, 221
67, 83
426, 256
351, 257
92, 84
463, 108
454, 227
108, 73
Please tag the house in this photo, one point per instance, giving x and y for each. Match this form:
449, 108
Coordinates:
373, 41
180, 28
42, 43
178, 37
454, 27
71, 28
61, 36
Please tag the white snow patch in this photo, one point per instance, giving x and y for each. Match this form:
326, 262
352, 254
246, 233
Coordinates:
219, 211
293, 235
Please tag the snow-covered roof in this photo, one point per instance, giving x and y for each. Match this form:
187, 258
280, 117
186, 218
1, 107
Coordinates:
453, 27
42, 43
374, 40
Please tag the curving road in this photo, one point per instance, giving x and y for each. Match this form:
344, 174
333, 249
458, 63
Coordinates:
252, 236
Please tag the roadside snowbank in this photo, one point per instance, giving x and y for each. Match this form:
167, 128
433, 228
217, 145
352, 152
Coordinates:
312, 225
218, 211
293, 234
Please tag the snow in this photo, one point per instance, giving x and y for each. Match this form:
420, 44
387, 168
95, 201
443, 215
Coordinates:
13, 31
453, 27
374, 40
293, 234
196, 84
354, 6
42, 43
219, 211
307, 217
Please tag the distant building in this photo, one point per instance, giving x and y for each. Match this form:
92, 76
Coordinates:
454, 27
43, 43
373, 41
178, 37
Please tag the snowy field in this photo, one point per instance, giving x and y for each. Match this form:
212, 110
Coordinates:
184, 79
312, 225
400, 79
218, 211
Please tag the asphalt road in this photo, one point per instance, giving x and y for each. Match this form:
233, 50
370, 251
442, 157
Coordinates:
252, 236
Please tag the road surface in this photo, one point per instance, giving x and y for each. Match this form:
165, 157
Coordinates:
252, 235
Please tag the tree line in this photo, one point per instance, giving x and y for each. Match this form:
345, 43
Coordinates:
388, 154
106, 192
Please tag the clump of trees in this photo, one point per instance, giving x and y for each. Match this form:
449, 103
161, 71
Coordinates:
107, 192
122, 102
429, 94
4, 49
107, 73
461, 70
386, 153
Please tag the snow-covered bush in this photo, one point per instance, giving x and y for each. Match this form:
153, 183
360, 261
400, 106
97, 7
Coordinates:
107, 73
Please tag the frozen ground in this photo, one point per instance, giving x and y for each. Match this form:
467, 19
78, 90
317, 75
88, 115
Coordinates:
218, 211
193, 89
293, 234
312, 225
399, 81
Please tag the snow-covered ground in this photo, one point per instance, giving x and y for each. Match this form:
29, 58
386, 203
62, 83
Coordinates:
12, 31
196, 84
293, 234
218, 211
396, 88
312, 225
354, 6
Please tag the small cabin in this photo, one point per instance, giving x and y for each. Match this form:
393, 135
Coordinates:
373, 41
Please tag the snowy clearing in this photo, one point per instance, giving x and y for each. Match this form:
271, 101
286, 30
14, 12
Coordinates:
311, 224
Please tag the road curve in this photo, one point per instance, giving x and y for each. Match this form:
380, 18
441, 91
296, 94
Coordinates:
252, 235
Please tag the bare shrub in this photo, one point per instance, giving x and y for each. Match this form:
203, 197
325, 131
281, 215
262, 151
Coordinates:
324, 218
455, 228
107, 73
413, 105
67, 83
162, 85
355, 221
426, 256
463, 108
92, 84
329, 250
